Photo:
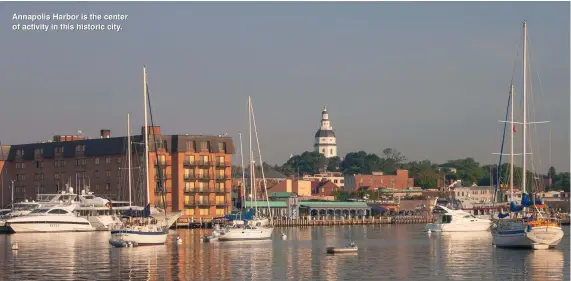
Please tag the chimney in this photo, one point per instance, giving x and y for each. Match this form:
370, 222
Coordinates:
105, 133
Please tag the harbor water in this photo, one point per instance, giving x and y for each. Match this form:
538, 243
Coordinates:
386, 252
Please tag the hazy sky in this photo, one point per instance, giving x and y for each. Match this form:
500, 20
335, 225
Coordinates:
429, 79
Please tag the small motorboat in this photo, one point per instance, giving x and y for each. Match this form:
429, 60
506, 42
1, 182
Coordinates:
351, 248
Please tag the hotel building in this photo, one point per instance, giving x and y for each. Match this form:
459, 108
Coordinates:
196, 170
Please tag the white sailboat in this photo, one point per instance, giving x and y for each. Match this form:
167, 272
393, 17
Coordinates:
520, 231
144, 230
259, 228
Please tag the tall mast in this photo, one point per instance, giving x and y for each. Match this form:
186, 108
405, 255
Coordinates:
146, 136
261, 163
129, 154
252, 161
512, 145
243, 175
524, 105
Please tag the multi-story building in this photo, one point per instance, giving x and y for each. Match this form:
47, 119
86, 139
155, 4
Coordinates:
196, 170
379, 180
335, 177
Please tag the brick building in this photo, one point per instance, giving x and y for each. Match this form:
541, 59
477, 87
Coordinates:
196, 170
378, 180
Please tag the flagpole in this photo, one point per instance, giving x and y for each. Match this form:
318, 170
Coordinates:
512, 146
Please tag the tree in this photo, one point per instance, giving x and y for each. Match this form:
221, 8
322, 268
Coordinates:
306, 163
360, 163
333, 163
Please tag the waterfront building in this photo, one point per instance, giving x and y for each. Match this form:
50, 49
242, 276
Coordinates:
196, 170
334, 177
325, 139
378, 180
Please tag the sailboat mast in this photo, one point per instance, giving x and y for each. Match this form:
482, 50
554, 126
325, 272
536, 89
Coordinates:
512, 145
129, 154
261, 161
252, 162
146, 136
524, 89
243, 175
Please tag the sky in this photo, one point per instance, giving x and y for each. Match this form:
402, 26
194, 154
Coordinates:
430, 79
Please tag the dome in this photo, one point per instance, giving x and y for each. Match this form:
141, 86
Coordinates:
325, 134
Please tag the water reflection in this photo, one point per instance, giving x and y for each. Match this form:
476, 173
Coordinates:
388, 252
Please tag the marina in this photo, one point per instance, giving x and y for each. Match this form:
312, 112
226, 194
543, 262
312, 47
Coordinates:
386, 252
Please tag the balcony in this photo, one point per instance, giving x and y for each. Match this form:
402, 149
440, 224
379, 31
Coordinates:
203, 163
189, 163
219, 189
203, 203
189, 177
220, 203
221, 177
203, 189
203, 177
163, 177
222, 164
190, 203
190, 190
163, 163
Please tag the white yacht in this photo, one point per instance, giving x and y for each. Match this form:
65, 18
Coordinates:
60, 218
457, 221
247, 232
100, 212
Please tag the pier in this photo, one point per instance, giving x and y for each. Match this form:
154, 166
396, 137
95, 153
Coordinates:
322, 221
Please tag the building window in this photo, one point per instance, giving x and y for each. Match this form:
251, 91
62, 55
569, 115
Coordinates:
219, 199
107, 186
96, 161
96, 173
119, 160
204, 158
189, 159
189, 186
189, 145
56, 176
220, 160
107, 160
189, 212
204, 211
220, 212
204, 145
118, 173
219, 187
59, 149
108, 173
323, 150
188, 200
97, 187
331, 151
222, 147
80, 148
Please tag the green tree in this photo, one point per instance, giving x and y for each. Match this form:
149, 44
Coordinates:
333, 164
306, 163
360, 163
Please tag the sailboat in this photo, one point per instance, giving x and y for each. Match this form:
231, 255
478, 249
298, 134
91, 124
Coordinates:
142, 229
259, 227
526, 226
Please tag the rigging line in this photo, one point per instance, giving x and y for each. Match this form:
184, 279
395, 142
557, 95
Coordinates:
161, 186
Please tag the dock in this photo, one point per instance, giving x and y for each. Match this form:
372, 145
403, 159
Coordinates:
321, 221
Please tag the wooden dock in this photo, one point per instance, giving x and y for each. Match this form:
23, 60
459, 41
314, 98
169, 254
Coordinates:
323, 221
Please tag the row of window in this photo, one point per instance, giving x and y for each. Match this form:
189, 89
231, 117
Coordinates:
190, 186
58, 163
220, 173
190, 145
204, 211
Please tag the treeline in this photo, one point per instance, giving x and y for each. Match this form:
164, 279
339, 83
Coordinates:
426, 174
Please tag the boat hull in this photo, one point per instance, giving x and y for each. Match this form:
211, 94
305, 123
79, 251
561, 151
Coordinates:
468, 227
333, 250
538, 238
142, 238
237, 234
27, 224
